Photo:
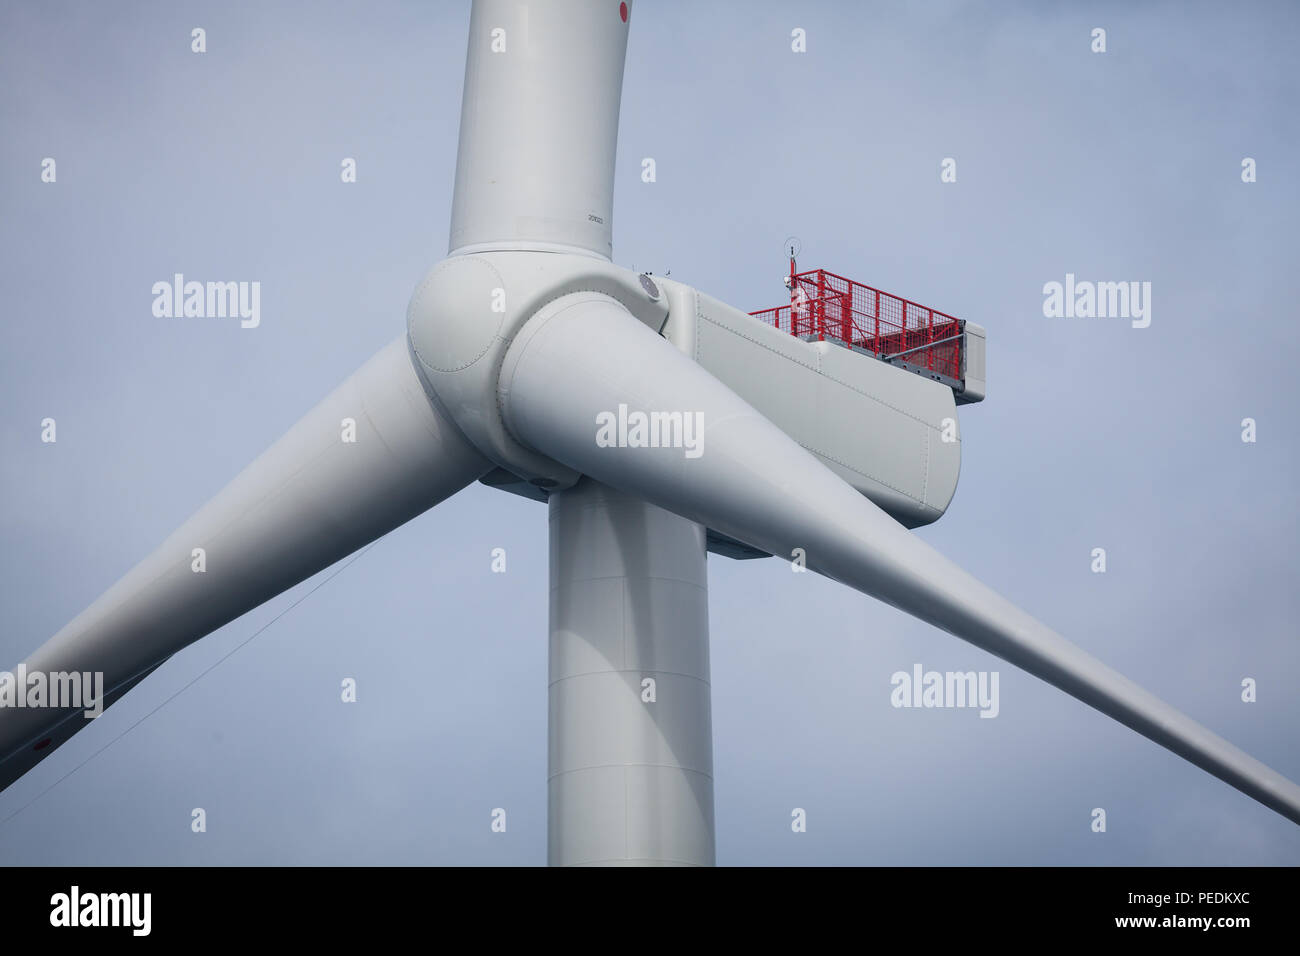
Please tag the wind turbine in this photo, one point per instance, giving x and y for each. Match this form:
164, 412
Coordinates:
519, 348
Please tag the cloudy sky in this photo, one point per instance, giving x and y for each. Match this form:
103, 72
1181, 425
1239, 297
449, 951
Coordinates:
1122, 166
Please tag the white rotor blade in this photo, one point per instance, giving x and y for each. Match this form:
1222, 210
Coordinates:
306, 502
538, 127
754, 483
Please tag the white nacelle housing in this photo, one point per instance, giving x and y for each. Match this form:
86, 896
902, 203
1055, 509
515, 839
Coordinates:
891, 434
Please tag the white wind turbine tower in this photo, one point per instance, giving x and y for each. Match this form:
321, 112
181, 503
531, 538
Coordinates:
517, 345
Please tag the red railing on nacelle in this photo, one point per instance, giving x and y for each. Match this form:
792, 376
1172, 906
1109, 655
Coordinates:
828, 306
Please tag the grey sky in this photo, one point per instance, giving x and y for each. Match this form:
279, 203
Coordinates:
225, 166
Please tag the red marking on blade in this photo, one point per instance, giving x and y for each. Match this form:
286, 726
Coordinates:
43, 744
622, 11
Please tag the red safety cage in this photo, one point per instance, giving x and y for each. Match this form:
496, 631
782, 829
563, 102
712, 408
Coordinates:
828, 307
